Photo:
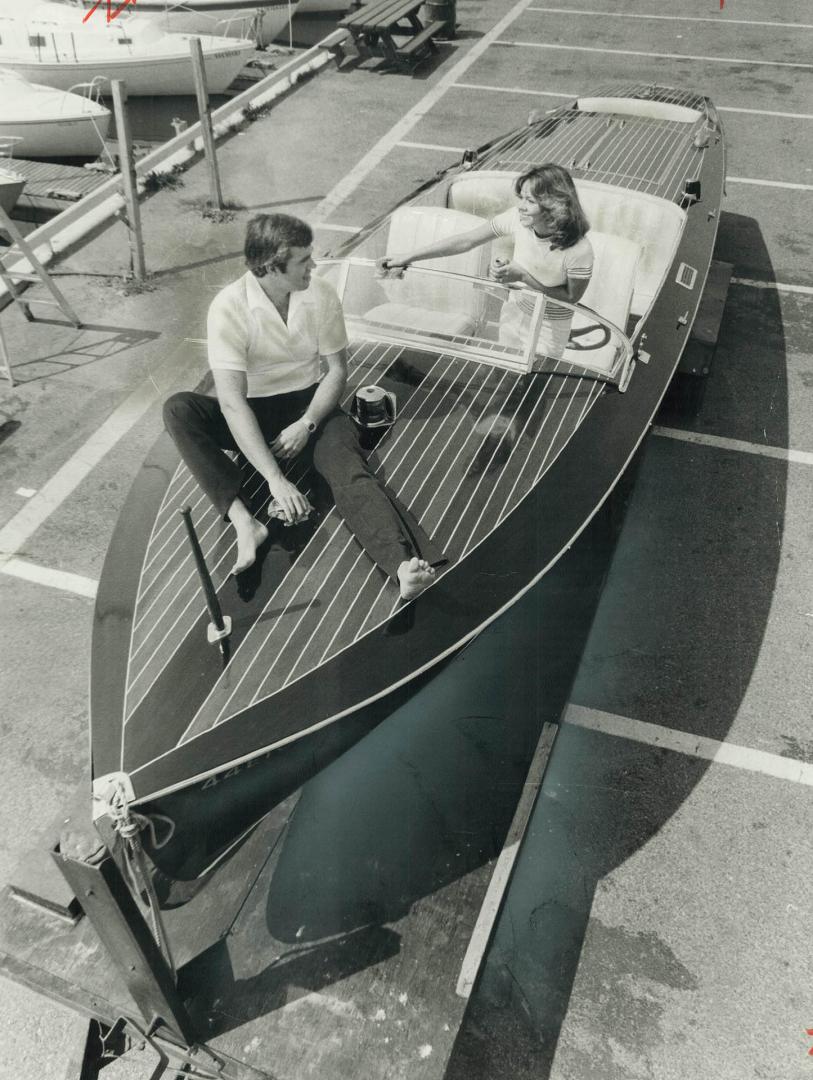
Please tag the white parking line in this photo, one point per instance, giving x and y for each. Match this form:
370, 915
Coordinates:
768, 183
512, 90
803, 290
655, 55
729, 179
798, 457
432, 146
698, 746
721, 20
54, 579
376, 154
22, 526
573, 95
339, 228
765, 112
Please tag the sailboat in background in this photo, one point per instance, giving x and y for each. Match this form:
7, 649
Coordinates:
43, 122
49, 44
261, 21
11, 187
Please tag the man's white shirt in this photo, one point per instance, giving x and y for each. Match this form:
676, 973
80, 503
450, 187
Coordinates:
245, 332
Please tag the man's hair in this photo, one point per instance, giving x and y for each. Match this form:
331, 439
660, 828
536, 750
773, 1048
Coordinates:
556, 184
270, 239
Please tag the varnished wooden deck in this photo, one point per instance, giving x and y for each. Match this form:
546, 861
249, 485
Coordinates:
469, 443
639, 153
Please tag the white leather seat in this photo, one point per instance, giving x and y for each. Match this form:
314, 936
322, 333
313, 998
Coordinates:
652, 223
425, 302
609, 293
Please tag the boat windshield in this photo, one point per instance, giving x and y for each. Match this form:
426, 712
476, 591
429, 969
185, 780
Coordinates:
441, 311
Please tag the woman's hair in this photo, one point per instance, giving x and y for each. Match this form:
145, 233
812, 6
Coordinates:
552, 182
270, 239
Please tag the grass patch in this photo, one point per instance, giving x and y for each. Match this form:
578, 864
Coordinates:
217, 215
127, 285
159, 181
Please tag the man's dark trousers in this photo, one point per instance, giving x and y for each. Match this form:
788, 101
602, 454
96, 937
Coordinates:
383, 526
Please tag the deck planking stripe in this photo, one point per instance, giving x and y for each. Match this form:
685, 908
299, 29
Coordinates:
131, 703
468, 448
445, 437
243, 661
551, 413
413, 404
561, 434
341, 564
492, 443
343, 596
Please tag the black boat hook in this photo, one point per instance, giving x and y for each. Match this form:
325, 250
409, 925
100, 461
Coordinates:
218, 630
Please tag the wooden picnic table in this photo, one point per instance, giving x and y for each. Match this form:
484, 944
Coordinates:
375, 28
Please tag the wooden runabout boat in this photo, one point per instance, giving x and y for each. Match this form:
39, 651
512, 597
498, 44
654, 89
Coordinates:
503, 454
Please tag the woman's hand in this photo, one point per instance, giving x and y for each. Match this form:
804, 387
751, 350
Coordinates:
287, 497
391, 266
506, 271
290, 441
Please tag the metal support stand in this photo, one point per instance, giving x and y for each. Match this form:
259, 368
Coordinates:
166, 1026
108, 903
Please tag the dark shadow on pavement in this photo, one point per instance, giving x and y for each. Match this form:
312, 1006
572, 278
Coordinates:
675, 642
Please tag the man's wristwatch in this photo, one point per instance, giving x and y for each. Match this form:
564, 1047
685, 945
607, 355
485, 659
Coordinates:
309, 424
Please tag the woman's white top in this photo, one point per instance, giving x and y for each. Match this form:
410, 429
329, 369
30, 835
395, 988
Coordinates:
550, 267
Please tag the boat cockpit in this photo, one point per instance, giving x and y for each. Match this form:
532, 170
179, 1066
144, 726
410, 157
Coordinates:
449, 303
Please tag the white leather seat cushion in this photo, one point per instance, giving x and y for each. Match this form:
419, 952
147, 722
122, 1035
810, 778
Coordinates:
652, 223
609, 293
415, 226
422, 320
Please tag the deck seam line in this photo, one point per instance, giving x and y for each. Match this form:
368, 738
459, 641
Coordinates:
573, 95
684, 742
653, 55
721, 21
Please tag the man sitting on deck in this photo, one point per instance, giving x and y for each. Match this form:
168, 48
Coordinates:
270, 334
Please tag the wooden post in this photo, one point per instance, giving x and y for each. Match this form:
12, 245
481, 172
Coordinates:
129, 180
206, 121
92, 873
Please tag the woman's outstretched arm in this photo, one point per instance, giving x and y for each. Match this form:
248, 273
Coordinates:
452, 245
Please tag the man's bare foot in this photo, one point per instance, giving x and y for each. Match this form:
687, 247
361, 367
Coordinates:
250, 535
413, 577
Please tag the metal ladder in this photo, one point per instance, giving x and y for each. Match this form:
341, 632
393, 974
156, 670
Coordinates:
20, 249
